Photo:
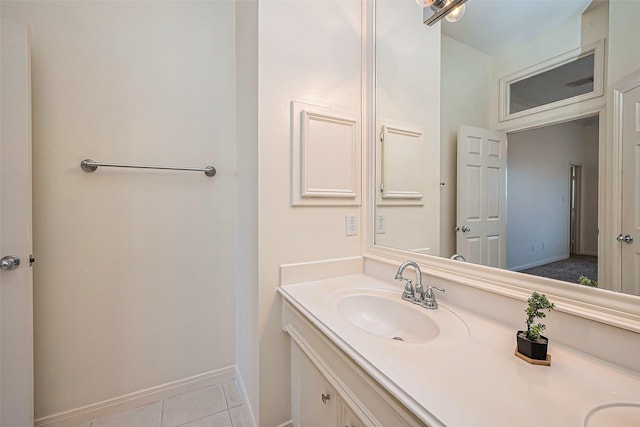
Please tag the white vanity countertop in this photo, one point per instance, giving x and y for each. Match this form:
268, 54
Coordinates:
472, 382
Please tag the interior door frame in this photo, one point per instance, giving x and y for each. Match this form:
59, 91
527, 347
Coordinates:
565, 116
619, 88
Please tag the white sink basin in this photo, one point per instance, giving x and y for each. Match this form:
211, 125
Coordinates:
384, 314
614, 414
387, 318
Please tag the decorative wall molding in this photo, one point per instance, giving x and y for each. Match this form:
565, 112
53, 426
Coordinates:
402, 151
401, 164
326, 151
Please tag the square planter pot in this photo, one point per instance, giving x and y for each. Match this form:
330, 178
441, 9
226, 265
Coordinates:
533, 350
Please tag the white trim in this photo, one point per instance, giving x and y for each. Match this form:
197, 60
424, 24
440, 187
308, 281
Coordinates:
539, 263
116, 405
389, 195
600, 305
368, 109
304, 192
245, 400
309, 116
588, 253
596, 48
318, 270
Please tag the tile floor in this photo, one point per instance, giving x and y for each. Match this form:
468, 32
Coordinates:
215, 406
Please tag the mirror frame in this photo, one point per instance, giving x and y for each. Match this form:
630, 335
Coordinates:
608, 307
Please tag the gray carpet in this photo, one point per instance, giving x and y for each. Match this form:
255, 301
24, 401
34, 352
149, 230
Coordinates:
569, 269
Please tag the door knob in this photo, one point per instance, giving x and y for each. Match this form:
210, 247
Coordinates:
628, 239
464, 228
9, 263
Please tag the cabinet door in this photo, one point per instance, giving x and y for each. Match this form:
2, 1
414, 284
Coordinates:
348, 418
314, 401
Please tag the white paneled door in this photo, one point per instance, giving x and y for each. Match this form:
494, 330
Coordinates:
481, 228
16, 285
630, 233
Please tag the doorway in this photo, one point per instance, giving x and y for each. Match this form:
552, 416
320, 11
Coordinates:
552, 226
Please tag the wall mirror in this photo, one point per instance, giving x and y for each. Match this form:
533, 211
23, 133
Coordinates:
548, 189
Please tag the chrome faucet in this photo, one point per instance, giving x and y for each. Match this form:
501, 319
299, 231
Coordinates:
430, 299
411, 293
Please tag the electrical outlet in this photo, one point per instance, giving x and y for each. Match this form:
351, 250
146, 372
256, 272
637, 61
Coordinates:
381, 227
351, 224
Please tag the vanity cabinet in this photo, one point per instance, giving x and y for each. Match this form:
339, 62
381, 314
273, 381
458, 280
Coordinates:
348, 418
328, 388
313, 400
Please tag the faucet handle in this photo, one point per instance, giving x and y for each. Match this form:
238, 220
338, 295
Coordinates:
408, 293
429, 300
431, 288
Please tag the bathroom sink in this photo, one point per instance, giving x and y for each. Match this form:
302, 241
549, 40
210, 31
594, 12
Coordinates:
614, 414
387, 318
385, 315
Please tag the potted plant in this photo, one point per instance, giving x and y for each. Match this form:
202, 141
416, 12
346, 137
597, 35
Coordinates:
583, 280
531, 343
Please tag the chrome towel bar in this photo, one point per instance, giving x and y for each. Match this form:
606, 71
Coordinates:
89, 165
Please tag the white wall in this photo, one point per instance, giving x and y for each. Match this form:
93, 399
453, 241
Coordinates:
531, 52
309, 51
465, 81
408, 94
538, 192
624, 39
247, 337
134, 280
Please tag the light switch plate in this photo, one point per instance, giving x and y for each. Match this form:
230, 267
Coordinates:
381, 227
351, 224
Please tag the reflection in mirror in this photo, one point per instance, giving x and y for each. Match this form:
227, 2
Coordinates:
552, 201
566, 81
552, 178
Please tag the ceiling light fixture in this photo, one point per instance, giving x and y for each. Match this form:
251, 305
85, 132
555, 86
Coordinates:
434, 10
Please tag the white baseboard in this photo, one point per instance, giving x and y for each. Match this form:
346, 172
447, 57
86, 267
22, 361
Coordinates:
245, 399
287, 424
79, 416
588, 253
539, 263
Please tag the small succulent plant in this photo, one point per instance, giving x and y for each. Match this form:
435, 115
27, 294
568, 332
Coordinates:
537, 303
583, 280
